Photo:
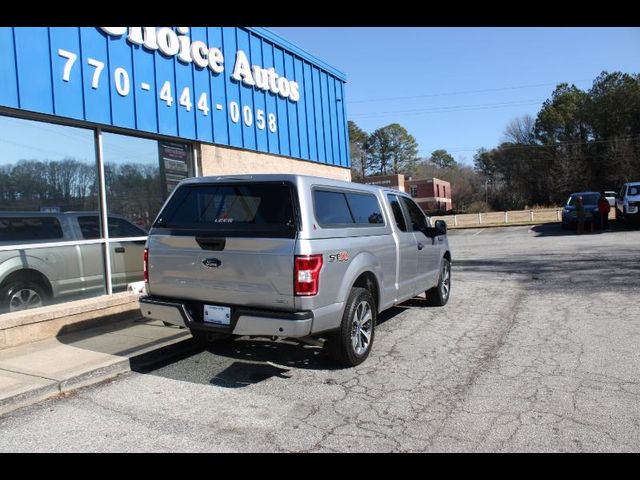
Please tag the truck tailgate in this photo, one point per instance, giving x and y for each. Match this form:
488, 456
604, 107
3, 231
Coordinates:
253, 272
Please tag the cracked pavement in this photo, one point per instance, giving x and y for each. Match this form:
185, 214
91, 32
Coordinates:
538, 350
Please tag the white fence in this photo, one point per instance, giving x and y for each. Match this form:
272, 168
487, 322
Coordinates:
545, 215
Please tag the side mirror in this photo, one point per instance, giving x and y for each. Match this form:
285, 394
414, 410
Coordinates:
441, 227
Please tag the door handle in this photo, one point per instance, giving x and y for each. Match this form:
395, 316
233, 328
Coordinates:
119, 250
420, 246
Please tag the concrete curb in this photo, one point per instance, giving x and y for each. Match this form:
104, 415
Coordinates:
93, 376
29, 397
28, 388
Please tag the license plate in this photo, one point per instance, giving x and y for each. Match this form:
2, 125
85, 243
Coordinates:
216, 314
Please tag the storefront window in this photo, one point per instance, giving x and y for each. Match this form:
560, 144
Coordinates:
139, 174
48, 179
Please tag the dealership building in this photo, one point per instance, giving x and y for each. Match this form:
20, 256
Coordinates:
98, 125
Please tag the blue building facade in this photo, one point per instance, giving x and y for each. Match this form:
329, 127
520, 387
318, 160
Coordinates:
232, 86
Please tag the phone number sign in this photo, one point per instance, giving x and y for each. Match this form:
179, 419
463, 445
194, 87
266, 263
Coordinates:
222, 85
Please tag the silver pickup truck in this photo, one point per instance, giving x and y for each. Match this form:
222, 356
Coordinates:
291, 256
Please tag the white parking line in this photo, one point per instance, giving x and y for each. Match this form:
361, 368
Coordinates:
478, 232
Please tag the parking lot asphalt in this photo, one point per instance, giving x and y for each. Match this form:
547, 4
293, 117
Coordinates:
537, 350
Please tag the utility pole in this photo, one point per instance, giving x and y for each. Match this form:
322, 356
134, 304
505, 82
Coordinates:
486, 190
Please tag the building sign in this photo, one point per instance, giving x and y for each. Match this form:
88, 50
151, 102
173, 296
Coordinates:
241, 87
178, 44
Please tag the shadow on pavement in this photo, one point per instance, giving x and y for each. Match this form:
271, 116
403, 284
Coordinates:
556, 230
135, 337
239, 362
246, 361
587, 271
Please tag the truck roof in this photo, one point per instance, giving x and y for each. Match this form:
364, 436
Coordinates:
308, 180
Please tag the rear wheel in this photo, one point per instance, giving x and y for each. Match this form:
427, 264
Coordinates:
438, 296
350, 346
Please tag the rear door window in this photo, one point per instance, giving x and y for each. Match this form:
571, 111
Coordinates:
29, 229
254, 208
118, 227
89, 226
397, 212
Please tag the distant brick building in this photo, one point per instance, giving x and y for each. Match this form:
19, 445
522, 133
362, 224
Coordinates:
431, 194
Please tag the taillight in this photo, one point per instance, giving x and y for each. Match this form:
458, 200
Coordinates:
146, 265
307, 274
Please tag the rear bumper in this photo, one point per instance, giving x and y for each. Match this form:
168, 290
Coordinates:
244, 321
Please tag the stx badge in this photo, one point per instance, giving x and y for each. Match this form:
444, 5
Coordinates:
339, 257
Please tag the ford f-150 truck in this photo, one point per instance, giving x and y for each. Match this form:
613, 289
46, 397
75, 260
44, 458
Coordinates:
291, 256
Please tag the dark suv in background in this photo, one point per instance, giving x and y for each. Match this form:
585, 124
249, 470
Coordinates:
590, 202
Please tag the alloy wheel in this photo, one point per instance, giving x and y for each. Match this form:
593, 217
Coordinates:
24, 299
362, 328
446, 280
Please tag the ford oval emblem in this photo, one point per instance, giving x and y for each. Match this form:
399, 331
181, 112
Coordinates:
211, 262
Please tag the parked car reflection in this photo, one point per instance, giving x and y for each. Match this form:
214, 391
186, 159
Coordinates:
34, 276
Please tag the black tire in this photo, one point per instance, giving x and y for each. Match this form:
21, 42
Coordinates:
22, 295
438, 296
359, 313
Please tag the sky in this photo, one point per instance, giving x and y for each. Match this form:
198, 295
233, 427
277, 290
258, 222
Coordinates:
458, 88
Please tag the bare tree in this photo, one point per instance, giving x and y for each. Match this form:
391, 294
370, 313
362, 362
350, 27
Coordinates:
520, 130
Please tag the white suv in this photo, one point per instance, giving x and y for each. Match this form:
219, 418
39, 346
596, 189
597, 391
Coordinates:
628, 203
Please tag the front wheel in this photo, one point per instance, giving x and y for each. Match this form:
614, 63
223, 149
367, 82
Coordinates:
350, 346
438, 296
22, 295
